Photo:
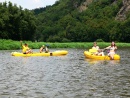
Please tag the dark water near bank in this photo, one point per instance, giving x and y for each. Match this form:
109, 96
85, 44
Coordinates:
70, 76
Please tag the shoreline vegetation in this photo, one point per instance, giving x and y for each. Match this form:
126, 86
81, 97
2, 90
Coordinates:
14, 45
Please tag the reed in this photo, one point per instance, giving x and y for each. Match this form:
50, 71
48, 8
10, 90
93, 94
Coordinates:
13, 45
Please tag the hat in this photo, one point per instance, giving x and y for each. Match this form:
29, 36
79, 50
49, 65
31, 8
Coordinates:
43, 45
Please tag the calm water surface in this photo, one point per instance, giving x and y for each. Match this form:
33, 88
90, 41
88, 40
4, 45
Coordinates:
70, 76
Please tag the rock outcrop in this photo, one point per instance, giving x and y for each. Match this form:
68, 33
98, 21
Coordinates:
121, 15
84, 5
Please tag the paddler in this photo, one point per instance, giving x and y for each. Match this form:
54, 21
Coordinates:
25, 48
45, 48
95, 46
112, 49
99, 51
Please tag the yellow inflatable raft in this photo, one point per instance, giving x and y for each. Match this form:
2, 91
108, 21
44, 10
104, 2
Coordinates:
55, 53
90, 55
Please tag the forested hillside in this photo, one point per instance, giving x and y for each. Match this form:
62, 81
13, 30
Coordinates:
69, 21
66, 21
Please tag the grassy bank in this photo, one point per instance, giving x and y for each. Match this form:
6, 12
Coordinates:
12, 45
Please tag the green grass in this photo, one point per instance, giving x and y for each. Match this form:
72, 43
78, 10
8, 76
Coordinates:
12, 45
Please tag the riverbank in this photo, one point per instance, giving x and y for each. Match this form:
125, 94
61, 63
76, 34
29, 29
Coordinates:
13, 45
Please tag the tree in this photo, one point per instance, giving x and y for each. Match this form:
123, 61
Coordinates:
16, 23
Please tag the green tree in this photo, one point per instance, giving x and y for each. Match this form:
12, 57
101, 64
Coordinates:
16, 23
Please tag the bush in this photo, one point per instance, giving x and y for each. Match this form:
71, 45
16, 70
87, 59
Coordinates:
66, 40
99, 40
54, 39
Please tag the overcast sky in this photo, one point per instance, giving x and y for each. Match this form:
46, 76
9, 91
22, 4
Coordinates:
31, 4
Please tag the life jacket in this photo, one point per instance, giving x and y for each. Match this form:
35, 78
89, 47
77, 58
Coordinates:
96, 48
25, 48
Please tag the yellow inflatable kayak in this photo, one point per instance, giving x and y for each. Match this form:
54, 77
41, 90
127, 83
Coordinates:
89, 55
55, 53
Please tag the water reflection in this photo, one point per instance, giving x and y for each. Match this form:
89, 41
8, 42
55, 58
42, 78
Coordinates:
104, 62
93, 61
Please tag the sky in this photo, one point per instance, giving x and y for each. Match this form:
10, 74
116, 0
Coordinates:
31, 4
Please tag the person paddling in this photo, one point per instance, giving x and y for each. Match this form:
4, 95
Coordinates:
112, 49
99, 51
95, 46
25, 48
45, 48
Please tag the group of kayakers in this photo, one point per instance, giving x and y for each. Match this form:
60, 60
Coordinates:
99, 52
111, 49
26, 49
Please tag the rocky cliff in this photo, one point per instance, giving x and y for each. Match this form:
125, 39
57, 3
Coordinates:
121, 15
84, 5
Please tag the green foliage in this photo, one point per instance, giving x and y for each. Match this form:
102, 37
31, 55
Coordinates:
16, 23
65, 40
9, 44
63, 21
99, 40
13, 45
54, 39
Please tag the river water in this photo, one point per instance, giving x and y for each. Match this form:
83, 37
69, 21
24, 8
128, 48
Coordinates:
70, 76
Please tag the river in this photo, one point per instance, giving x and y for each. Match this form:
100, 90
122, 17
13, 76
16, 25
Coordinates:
70, 76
